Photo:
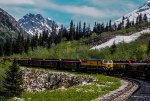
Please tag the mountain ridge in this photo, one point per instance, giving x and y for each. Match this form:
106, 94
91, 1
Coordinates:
132, 16
36, 23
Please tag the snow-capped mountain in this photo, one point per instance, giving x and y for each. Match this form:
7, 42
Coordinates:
32, 23
145, 9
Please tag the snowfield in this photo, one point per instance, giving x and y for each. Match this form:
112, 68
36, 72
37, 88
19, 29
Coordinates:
119, 39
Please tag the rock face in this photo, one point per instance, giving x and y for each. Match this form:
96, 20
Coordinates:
40, 80
9, 27
8, 22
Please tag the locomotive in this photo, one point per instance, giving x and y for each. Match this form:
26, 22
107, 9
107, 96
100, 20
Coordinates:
129, 68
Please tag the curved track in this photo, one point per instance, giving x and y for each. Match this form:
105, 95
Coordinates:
143, 93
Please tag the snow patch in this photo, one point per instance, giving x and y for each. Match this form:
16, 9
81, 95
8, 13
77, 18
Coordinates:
49, 18
119, 39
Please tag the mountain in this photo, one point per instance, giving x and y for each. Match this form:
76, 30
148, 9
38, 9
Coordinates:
145, 9
9, 27
32, 23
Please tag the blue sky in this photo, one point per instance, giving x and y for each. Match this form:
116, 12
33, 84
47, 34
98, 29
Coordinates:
62, 11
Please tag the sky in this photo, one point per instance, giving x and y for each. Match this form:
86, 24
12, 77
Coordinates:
62, 11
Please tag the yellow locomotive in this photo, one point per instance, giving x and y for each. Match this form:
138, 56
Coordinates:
98, 63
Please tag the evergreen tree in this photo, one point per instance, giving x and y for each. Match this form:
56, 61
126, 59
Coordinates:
1, 50
8, 47
128, 24
52, 37
71, 34
19, 47
113, 48
45, 35
88, 31
13, 81
107, 27
77, 32
137, 20
114, 27
27, 45
148, 48
60, 34
84, 29
145, 19
132, 23
110, 26
119, 26
140, 19
95, 28
122, 23
65, 33
80, 30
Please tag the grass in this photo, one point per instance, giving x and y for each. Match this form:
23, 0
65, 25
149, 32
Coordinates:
76, 93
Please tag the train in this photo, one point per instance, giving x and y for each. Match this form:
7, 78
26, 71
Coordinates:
136, 69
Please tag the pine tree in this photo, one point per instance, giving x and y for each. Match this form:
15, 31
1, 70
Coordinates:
65, 33
145, 19
122, 23
59, 36
114, 27
110, 26
27, 45
107, 27
77, 32
45, 35
88, 31
80, 30
13, 81
52, 37
33, 42
84, 29
19, 47
8, 47
95, 28
128, 24
140, 19
113, 48
119, 26
71, 34
148, 48
137, 20
1, 50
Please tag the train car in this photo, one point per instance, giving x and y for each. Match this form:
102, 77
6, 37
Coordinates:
130, 68
50, 63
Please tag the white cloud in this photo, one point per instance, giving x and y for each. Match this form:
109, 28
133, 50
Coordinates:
86, 11
16, 2
97, 2
81, 10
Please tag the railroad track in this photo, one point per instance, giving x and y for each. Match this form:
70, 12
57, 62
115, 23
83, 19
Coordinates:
143, 93
137, 90
122, 93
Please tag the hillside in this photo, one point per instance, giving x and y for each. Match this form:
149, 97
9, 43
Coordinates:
119, 39
132, 16
9, 27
